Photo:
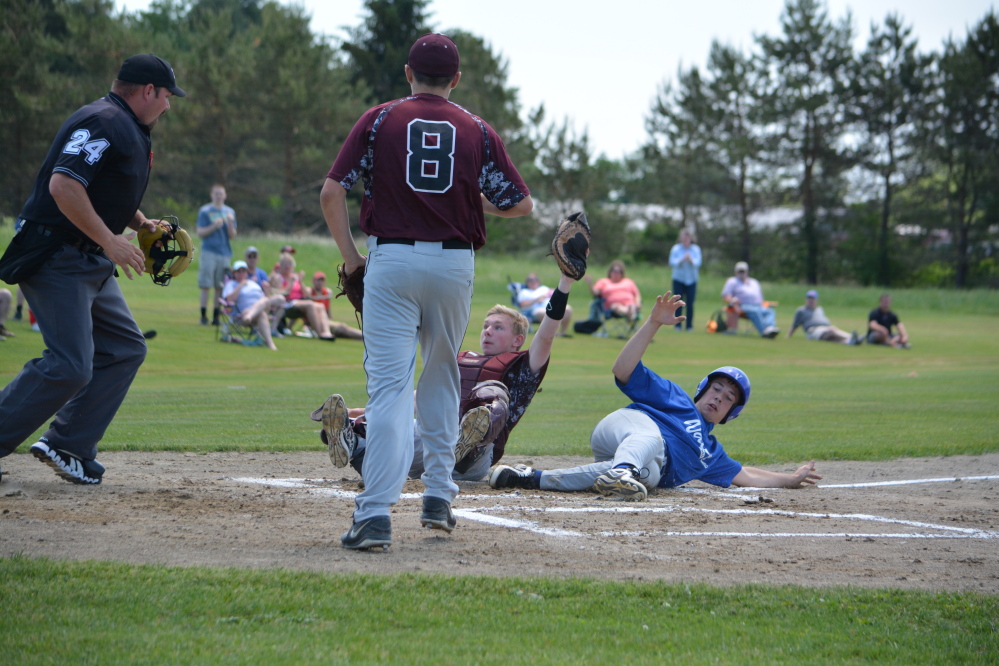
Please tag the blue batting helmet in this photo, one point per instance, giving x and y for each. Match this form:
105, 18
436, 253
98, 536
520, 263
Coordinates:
737, 376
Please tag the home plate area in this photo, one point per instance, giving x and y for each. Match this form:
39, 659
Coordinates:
891, 509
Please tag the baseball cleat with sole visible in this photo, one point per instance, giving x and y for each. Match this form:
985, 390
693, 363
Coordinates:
371, 533
472, 430
67, 465
521, 476
339, 435
621, 482
437, 515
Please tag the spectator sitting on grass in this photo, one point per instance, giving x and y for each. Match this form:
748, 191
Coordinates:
813, 319
879, 325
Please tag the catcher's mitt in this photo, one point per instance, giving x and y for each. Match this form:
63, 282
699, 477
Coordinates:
351, 286
168, 250
571, 245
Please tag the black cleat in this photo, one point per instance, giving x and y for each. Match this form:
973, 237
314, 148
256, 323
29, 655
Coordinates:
371, 533
437, 515
521, 476
67, 465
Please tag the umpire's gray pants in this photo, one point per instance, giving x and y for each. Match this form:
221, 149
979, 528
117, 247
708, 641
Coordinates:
93, 351
413, 294
626, 436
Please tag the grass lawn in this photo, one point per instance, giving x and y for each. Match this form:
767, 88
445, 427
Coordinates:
809, 400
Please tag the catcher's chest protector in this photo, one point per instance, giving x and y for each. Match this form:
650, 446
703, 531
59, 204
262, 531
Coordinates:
475, 368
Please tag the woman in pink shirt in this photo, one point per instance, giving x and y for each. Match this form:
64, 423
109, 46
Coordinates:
620, 295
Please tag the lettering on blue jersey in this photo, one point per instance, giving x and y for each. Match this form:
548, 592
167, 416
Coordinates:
80, 142
430, 155
693, 427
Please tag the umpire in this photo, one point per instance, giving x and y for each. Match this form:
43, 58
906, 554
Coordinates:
64, 256
429, 169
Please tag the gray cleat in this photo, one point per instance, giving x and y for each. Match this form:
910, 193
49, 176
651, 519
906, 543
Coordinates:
621, 482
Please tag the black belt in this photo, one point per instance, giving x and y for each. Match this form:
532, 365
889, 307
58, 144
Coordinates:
447, 245
83, 244
78, 241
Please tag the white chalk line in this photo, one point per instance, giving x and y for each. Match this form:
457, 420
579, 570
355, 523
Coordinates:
876, 484
480, 515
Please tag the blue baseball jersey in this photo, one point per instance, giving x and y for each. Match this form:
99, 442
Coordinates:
692, 452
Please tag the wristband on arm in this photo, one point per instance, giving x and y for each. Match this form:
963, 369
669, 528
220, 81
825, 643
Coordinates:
556, 305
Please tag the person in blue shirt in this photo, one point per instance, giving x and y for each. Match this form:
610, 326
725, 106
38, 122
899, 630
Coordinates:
685, 259
663, 438
216, 227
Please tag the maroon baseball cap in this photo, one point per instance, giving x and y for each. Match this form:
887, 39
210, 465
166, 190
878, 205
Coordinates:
434, 55
148, 68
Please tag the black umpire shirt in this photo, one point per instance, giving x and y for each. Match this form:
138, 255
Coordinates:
105, 147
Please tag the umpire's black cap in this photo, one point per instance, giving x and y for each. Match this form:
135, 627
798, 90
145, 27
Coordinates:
148, 68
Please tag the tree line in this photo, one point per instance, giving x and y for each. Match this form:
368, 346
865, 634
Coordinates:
887, 156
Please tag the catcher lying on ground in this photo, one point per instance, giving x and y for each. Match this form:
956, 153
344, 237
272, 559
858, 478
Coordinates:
497, 385
663, 438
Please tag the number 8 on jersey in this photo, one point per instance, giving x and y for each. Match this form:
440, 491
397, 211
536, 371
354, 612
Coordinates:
430, 155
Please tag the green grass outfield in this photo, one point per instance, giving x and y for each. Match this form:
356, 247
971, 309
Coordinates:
810, 400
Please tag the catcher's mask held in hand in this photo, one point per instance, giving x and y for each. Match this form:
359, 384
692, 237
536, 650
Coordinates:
168, 250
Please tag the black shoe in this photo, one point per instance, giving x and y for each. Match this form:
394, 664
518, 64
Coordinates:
437, 515
67, 465
370, 533
17, 313
204, 320
520, 476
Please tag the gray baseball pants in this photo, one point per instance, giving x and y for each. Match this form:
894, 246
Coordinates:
626, 436
413, 295
94, 350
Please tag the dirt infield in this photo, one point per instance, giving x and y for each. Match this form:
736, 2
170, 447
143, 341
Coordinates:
924, 523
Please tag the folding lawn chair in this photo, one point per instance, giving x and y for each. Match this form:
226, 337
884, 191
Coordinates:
231, 329
514, 289
612, 325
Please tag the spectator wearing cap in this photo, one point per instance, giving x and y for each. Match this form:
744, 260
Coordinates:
813, 319
746, 295
320, 294
216, 228
429, 174
257, 274
250, 305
